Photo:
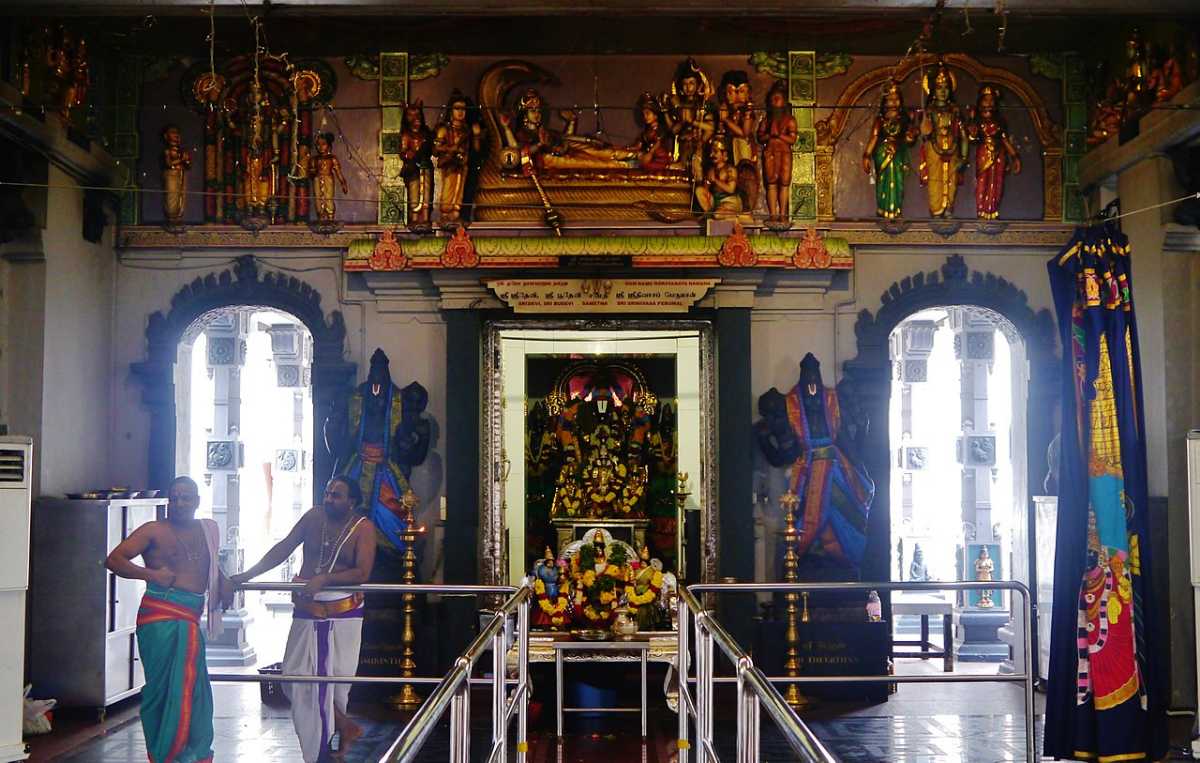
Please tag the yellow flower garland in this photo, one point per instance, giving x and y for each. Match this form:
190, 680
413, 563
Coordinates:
556, 609
656, 581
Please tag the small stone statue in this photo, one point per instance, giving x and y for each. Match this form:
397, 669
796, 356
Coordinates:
917, 571
874, 607
324, 169
983, 571
175, 163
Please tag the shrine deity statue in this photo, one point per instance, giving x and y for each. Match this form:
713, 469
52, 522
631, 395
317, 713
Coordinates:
324, 169
552, 591
984, 567
944, 146
601, 433
689, 115
457, 149
995, 154
777, 135
176, 161
384, 437
805, 430
600, 571
533, 146
655, 145
643, 592
885, 157
416, 156
917, 572
738, 117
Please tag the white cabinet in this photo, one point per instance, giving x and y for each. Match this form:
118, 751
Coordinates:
84, 618
16, 465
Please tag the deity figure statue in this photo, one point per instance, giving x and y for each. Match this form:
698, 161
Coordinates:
983, 571
551, 588
916, 570
689, 117
176, 161
457, 145
944, 147
874, 607
1136, 82
738, 117
885, 157
416, 156
655, 145
534, 146
599, 575
995, 154
1166, 78
643, 592
719, 194
777, 135
834, 491
384, 437
324, 169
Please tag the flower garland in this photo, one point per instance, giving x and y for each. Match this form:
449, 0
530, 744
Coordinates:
652, 590
596, 594
556, 611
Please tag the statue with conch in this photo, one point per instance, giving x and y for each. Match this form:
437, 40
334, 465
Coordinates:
457, 146
944, 146
176, 161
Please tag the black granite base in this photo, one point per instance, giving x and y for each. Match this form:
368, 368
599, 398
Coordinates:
981, 638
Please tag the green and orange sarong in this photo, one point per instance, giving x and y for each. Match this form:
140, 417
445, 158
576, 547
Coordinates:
177, 704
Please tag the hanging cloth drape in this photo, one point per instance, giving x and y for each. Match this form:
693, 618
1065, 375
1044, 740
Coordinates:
1101, 703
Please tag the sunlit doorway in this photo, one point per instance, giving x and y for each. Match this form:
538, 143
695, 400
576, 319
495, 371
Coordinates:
244, 432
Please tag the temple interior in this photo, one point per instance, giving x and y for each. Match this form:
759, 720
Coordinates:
599, 381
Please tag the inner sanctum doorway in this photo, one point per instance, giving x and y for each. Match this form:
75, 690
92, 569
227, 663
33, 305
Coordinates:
600, 426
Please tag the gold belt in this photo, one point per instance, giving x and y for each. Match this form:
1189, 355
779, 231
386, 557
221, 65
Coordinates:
321, 610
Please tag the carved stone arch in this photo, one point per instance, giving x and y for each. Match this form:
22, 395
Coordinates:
242, 286
867, 378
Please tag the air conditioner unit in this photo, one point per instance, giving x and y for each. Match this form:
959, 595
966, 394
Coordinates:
16, 483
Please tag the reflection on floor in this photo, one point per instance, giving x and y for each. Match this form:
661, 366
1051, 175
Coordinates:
913, 726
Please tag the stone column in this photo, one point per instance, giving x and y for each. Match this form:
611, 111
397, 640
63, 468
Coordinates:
911, 348
226, 355
974, 342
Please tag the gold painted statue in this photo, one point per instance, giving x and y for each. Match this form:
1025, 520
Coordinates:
984, 567
777, 135
324, 169
689, 117
655, 146
416, 151
944, 147
456, 143
176, 161
535, 146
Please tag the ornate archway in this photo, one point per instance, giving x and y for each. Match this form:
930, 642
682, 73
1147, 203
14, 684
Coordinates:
243, 285
867, 378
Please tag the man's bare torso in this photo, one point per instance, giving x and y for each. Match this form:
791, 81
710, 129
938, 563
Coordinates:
183, 550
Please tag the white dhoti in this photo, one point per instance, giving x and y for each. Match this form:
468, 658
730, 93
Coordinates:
321, 644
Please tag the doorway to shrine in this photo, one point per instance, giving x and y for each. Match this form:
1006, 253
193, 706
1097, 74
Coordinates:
601, 427
244, 413
959, 491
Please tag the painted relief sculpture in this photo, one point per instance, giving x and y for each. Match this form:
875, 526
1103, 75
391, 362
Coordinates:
416, 155
804, 429
718, 194
176, 161
995, 154
1106, 641
885, 157
736, 113
944, 142
457, 144
383, 439
689, 116
655, 146
324, 170
777, 135
537, 144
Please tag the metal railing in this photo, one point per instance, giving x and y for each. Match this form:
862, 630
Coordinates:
751, 681
754, 693
454, 691
454, 688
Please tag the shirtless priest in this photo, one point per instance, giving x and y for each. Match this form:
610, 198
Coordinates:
339, 550
180, 556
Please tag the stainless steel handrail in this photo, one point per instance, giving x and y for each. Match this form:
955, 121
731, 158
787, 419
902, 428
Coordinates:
754, 691
454, 692
705, 679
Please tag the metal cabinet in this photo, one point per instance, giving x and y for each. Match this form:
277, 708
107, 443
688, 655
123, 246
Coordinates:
83, 648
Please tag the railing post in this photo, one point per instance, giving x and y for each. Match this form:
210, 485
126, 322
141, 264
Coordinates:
523, 680
499, 727
460, 723
681, 669
704, 711
1030, 663
747, 718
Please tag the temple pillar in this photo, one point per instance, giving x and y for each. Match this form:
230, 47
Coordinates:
226, 336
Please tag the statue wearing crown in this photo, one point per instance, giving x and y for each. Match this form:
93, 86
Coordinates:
944, 146
885, 157
532, 146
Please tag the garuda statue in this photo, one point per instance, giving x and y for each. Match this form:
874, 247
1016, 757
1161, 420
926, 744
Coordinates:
804, 430
379, 443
